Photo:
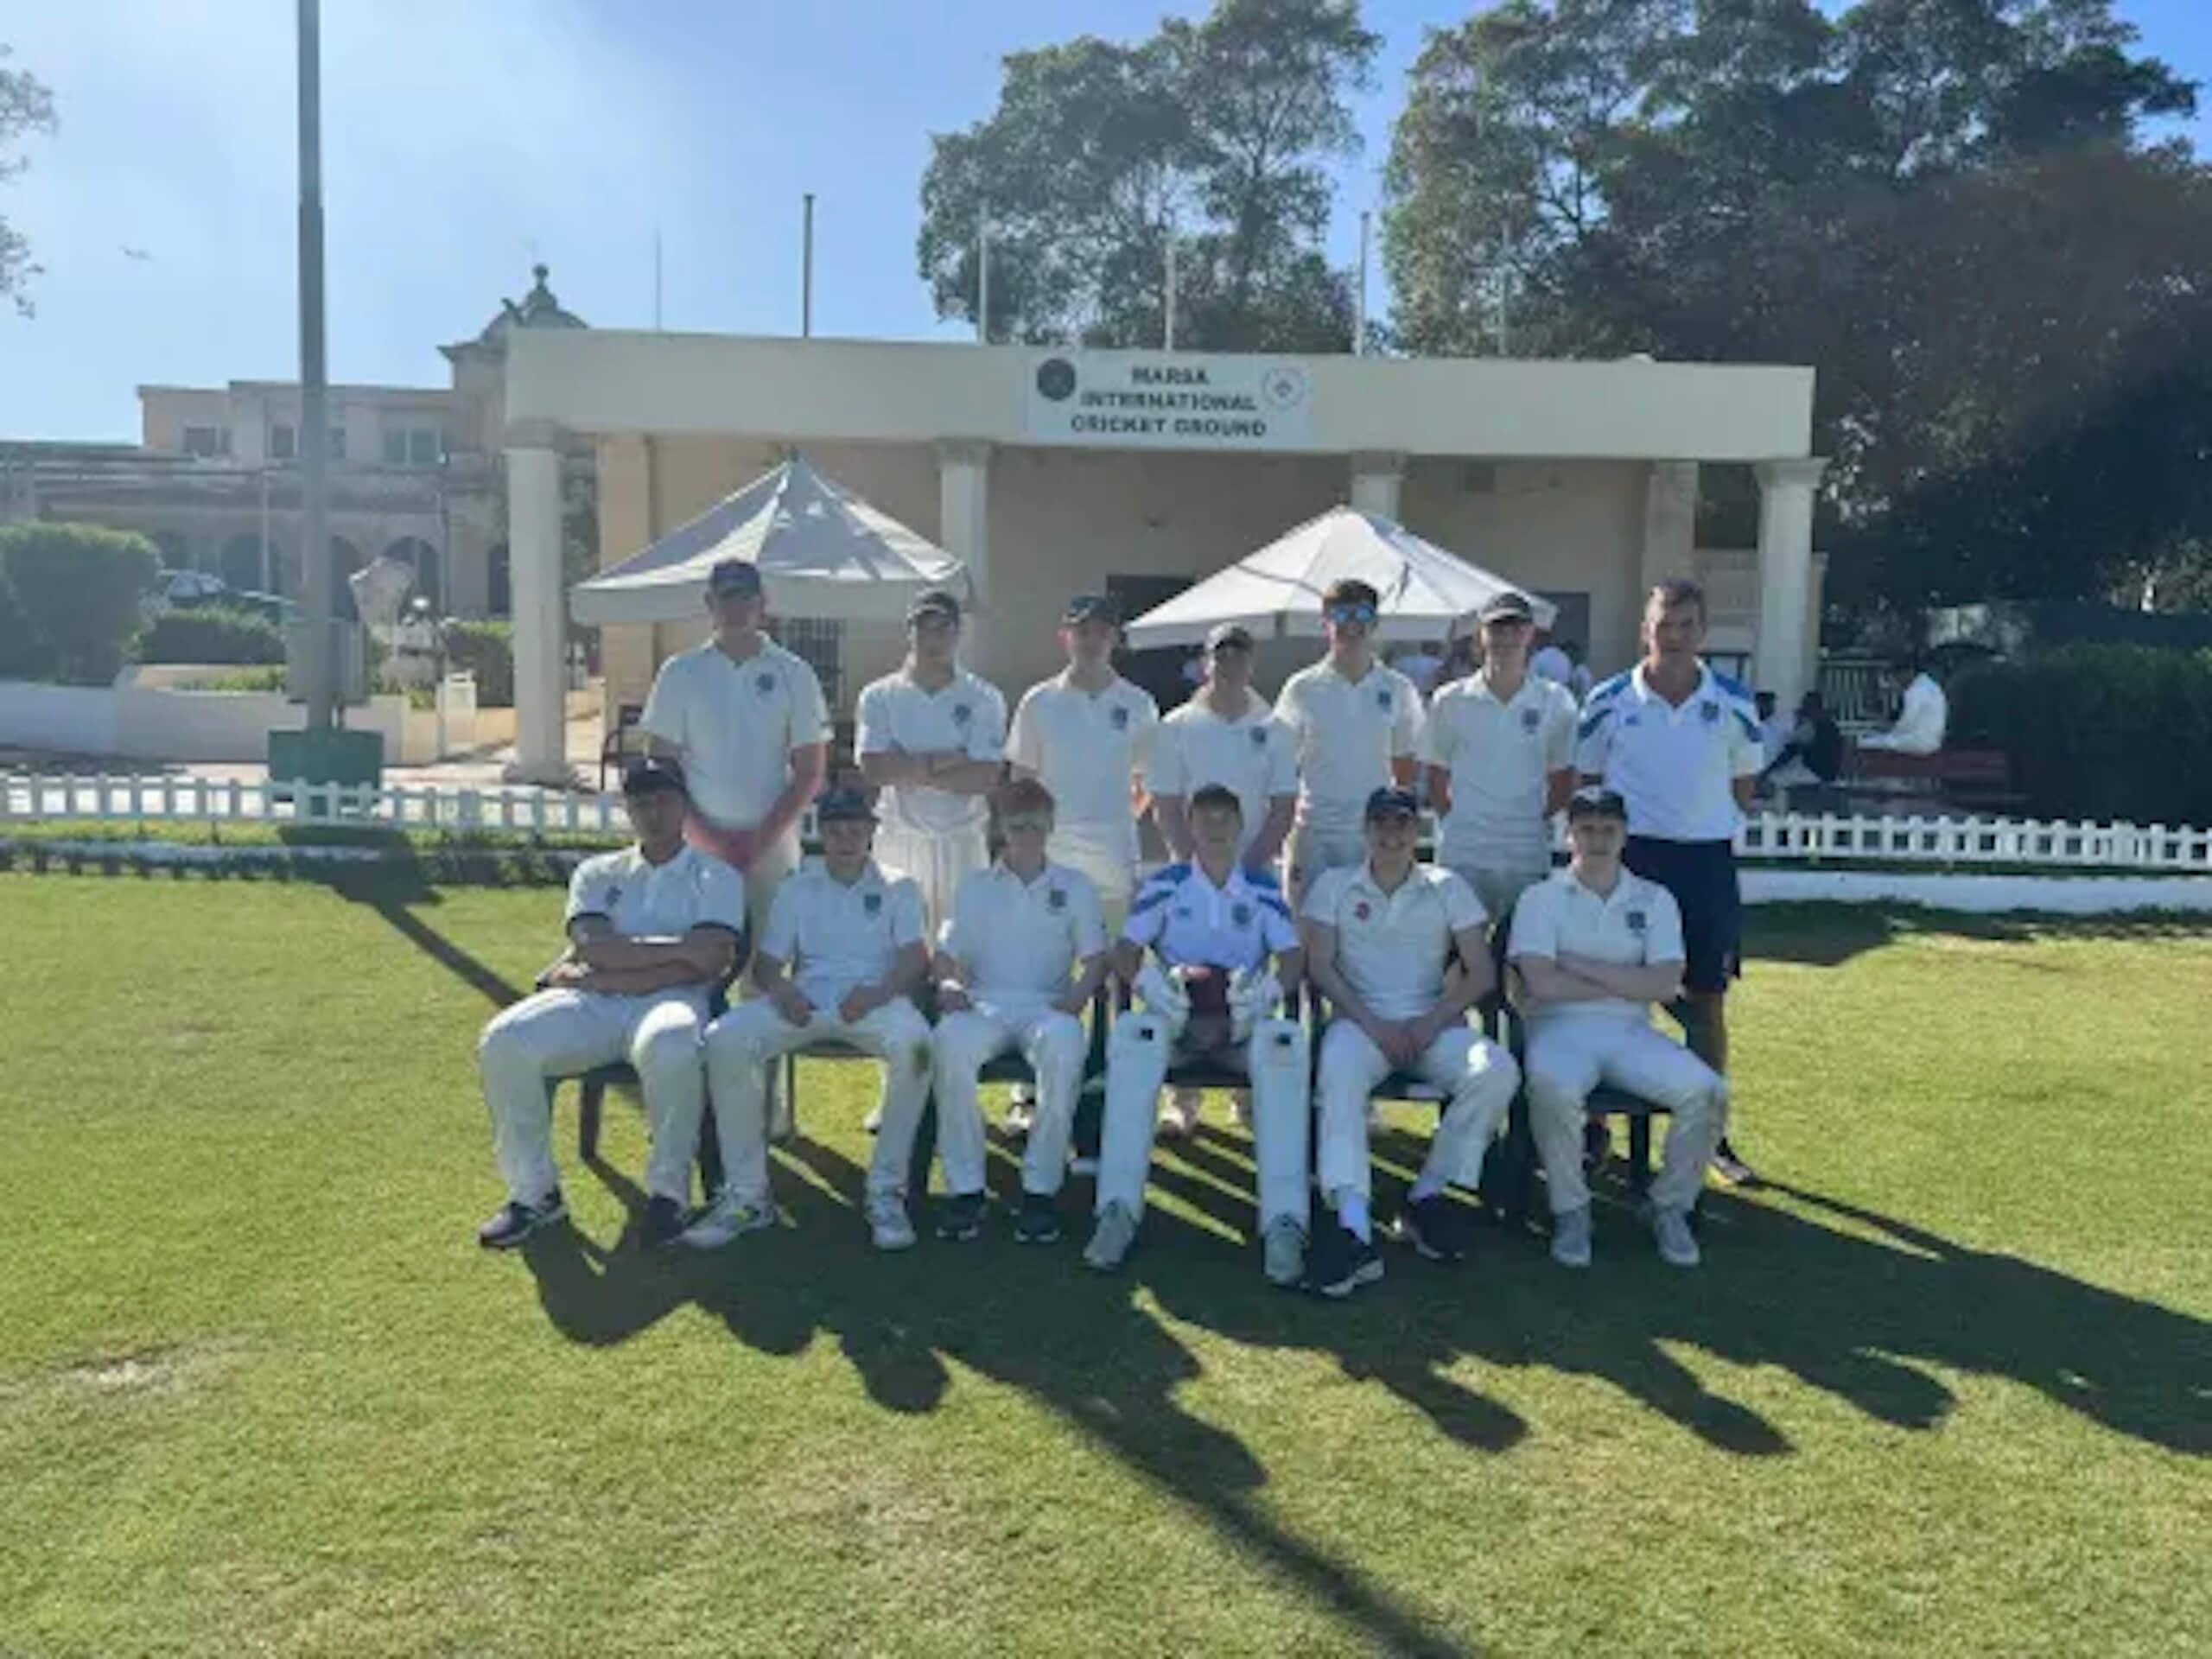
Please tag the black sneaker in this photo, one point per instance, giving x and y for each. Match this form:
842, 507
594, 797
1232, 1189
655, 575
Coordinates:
665, 1221
1338, 1262
517, 1221
960, 1217
1436, 1227
1731, 1168
1038, 1221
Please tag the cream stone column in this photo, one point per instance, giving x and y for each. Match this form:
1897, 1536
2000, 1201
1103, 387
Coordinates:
1780, 651
964, 475
540, 630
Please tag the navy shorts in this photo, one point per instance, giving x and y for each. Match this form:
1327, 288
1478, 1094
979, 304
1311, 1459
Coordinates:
1701, 875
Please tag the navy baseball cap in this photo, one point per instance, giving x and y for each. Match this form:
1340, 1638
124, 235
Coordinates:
1090, 608
844, 806
1597, 802
734, 578
935, 601
1228, 633
653, 771
1389, 803
1508, 607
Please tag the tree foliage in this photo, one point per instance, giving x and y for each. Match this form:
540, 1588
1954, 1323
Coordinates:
26, 107
77, 589
1213, 135
1948, 207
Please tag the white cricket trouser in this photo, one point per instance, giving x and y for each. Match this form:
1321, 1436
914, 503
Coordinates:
745, 1045
1277, 1057
1571, 1053
1309, 851
1500, 883
1053, 1042
1480, 1077
937, 864
561, 1033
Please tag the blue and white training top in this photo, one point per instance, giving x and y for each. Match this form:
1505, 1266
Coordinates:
1180, 914
1676, 765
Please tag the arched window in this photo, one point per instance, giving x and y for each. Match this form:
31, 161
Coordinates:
240, 568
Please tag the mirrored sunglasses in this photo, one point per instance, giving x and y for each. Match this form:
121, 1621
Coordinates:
1363, 615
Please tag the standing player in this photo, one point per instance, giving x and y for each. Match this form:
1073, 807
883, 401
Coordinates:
1381, 933
1019, 959
838, 962
1595, 947
1358, 725
651, 929
1681, 745
932, 737
747, 719
1210, 927
1500, 750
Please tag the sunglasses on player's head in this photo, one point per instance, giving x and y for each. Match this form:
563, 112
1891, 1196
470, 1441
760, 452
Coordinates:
1361, 614
1037, 823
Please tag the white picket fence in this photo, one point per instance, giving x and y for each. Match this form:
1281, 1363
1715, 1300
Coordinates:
1906, 842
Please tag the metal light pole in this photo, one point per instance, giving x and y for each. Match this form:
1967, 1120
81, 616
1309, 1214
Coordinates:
806, 269
1359, 299
983, 279
314, 386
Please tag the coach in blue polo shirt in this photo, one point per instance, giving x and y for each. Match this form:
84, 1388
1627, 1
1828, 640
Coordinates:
1680, 744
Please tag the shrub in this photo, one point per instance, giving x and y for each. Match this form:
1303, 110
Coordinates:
23, 655
78, 589
486, 650
213, 634
2100, 732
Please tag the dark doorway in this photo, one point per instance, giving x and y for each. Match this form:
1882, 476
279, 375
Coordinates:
1159, 673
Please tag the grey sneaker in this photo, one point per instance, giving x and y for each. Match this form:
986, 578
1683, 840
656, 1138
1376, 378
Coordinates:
1110, 1239
724, 1219
889, 1229
1677, 1244
1283, 1252
1179, 1119
1571, 1238
517, 1221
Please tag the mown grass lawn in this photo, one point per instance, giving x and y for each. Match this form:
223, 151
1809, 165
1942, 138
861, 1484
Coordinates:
1946, 1388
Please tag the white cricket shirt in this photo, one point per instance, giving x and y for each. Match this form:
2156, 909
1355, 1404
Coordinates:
1391, 947
1021, 940
1088, 748
833, 936
897, 716
1185, 920
1256, 755
1635, 926
1675, 765
657, 901
1349, 731
735, 725
1500, 756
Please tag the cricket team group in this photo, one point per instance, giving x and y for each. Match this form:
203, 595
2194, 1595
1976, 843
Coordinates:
1294, 935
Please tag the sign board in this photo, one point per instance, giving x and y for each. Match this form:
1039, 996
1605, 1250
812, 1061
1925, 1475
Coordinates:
1171, 401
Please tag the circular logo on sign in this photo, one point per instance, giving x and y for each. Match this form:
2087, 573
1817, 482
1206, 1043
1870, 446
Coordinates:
1283, 386
1056, 380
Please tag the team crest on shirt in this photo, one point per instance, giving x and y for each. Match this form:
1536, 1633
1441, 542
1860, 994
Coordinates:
1362, 911
1057, 898
961, 713
1529, 719
1382, 699
613, 896
1121, 719
1708, 711
872, 902
765, 683
1635, 921
1241, 915
1259, 737
1633, 720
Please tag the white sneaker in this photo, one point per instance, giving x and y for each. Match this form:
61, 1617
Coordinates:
1240, 1108
1283, 1253
1020, 1113
874, 1120
1571, 1238
889, 1229
1677, 1244
725, 1218
1179, 1119
1110, 1239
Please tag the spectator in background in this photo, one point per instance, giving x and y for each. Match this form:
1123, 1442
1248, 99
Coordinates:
1580, 679
1463, 658
1921, 722
1551, 663
1422, 664
1813, 754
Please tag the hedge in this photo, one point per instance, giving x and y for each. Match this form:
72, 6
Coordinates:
77, 590
486, 650
2101, 732
213, 634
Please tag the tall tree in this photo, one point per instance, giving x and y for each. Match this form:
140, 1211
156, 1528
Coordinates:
1947, 206
25, 106
1214, 135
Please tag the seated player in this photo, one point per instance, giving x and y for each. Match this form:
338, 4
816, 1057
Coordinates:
1024, 950
1595, 946
652, 929
838, 962
1196, 950
1379, 937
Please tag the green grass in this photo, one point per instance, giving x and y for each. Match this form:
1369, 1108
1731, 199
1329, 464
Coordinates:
1947, 1390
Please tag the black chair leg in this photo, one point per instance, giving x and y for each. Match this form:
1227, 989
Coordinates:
1639, 1153
595, 1101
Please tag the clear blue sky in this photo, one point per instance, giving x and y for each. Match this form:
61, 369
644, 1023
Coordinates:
465, 139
